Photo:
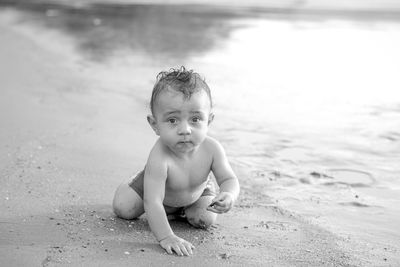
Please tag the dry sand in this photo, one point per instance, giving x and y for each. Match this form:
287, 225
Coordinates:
64, 149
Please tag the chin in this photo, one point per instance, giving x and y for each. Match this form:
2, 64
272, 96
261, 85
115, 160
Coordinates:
186, 150
185, 147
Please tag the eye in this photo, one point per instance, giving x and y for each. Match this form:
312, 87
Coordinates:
172, 120
196, 119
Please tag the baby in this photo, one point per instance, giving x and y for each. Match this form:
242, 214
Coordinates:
176, 177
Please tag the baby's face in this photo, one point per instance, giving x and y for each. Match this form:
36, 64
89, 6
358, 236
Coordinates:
182, 124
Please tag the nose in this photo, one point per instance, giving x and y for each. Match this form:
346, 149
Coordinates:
184, 129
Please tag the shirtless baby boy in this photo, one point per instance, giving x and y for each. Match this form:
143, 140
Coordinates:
176, 176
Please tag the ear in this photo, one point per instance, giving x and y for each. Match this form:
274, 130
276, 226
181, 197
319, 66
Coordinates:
153, 123
210, 118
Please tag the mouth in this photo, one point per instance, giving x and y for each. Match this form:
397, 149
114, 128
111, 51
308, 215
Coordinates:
183, 143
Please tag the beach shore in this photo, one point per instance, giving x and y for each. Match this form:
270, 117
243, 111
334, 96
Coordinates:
65, 147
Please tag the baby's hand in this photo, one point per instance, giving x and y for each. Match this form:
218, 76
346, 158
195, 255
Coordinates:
178, 245
221, 203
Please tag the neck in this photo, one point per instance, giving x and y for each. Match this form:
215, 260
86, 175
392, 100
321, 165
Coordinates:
184, 155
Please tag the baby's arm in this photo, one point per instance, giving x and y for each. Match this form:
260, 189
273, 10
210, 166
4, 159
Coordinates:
154, 192
226, 179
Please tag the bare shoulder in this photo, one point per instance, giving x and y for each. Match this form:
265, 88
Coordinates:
220, 165
213, 145
158, 156
155, 174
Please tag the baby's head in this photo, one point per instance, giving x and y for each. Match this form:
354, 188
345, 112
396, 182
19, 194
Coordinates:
181, 81
180, 109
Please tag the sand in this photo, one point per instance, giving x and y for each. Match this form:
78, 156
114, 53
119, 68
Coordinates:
65, 147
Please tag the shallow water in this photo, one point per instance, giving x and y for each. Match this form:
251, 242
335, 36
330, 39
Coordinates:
307, 105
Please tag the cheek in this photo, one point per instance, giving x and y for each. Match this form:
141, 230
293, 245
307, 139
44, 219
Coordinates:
167, 134
201, 132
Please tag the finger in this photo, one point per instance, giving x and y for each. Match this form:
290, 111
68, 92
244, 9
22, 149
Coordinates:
213, 209
168, 249
218, 202
177, 250
221, 208
221, 205
216, 199
189, 248
184, 250
224, 206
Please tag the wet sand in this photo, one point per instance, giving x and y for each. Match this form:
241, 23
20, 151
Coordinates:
65, 146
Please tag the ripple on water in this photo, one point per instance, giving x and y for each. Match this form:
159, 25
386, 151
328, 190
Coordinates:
355, 204
350, 177
391, 136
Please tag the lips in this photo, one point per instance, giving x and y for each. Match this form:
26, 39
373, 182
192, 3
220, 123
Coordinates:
183, 143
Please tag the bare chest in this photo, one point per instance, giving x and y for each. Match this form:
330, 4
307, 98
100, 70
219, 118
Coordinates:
188, 176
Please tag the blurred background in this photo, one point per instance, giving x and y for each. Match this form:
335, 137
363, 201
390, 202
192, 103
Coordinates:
307, 93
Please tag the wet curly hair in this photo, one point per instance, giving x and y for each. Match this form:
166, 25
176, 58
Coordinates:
181, 80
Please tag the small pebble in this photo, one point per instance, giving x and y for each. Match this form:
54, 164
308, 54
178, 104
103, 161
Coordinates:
127, 253
224, 256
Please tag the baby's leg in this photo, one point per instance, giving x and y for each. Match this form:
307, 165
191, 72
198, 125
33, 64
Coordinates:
198, 215
127, 203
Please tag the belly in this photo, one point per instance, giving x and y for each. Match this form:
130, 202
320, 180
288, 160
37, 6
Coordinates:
182, 198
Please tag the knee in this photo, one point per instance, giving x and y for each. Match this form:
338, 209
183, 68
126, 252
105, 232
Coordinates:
126, 204
201, 218
198, 215
122, 211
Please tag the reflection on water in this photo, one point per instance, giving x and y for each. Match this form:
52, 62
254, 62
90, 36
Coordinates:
159, 30
313, 115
